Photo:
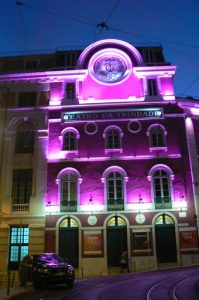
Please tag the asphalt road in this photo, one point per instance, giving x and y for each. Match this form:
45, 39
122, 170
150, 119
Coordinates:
175, 284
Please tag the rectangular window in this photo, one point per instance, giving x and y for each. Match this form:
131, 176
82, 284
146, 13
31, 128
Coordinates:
113, 140
21, 189
70, 91
19, 246
68, 196
157, 138
115, 194
27, 99
152, 87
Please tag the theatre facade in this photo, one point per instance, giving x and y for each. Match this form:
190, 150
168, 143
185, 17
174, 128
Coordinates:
98, 159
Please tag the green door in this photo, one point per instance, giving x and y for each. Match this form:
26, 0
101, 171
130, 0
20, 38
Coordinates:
116, 240
69, 241
165, 240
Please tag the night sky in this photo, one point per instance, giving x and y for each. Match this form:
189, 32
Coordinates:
49, 25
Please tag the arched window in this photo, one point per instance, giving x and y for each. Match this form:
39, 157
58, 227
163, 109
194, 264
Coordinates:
161, 185
69, 192
113, 135
115, 191
25, 138
114, 179
113, 139
69, 141
157, 136
68, 180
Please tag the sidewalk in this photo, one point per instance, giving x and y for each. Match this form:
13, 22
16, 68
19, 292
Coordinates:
13, 291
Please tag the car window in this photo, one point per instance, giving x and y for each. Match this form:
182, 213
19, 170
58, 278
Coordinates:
50, 259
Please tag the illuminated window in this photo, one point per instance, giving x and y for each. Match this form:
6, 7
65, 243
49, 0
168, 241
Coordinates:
152, 88
69, 187
25, 138
70, 141
162, 190
163, 219
21, 189
19, 246
68, 222
116, 222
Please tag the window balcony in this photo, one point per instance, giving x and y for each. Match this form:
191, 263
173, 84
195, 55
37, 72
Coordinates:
68, 206
163, 203
20, 207
117, 204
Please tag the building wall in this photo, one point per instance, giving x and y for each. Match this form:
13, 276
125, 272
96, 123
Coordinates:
124, 103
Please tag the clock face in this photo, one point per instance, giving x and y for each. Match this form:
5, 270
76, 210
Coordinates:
92, 220
109, 69
140, 218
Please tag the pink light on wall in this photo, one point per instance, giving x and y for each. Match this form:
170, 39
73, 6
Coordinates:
195, 111
55, 101
56, 93
113, 43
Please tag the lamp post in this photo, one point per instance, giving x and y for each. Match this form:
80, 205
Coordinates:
140, 201
92, 220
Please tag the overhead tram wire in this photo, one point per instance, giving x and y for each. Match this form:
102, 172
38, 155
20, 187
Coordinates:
112, 11
154, 6
160, 40
153, 37
189, 86
56, 13
103, 24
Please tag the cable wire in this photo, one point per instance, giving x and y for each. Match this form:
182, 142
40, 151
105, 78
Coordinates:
189, 86
112, 11
54, 12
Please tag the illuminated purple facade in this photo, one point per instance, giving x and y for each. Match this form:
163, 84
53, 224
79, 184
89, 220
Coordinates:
118, 168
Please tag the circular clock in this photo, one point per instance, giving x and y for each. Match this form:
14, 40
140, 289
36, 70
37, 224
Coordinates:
140, 218
110, 66
92, 220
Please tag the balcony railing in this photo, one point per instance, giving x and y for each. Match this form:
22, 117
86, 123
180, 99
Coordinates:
68, 206
115, 204
163, 203
20, 207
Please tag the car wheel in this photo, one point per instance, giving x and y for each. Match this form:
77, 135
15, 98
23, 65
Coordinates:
38, 284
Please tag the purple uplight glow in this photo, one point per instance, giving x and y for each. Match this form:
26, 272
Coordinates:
195, 111
55, 100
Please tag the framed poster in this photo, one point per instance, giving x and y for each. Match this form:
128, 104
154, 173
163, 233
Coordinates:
141, 241
188, 239
92, 243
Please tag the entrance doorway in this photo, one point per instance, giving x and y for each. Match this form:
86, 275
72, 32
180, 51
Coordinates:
116, 240
69, 240
165, 239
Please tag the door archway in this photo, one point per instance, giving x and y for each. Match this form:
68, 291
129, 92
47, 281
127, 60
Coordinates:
69, 240
165, 237
116, 230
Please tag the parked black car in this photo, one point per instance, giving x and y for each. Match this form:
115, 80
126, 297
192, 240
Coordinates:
50, 268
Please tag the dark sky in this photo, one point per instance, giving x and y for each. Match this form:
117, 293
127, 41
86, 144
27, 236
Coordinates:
47, 25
